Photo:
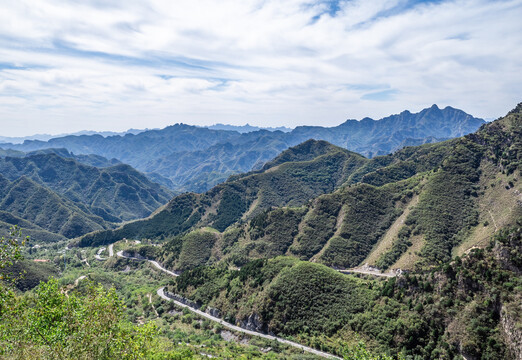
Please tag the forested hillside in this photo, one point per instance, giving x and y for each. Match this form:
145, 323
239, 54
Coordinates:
456, 227
243, 196
47, 193
469, 306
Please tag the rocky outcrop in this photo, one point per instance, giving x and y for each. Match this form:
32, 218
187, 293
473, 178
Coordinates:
214, 312
512, 332
133, 254
181, 299
253, 323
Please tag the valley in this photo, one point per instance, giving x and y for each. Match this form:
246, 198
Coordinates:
320, 249
273, 180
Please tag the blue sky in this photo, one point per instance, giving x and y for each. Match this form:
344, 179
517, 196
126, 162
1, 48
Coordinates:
114, 65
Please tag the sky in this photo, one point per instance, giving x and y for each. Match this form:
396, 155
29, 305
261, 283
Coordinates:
76, 65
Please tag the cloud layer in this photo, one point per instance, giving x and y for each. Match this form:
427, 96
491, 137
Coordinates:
112, 65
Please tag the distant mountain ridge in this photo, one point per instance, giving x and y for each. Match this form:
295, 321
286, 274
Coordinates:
246, 128
46, 137
195, 159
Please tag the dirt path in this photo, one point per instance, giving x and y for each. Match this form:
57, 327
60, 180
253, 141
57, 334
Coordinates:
70, 287
151, 304
492, 218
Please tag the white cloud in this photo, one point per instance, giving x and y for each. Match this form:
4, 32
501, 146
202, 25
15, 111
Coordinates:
112, 65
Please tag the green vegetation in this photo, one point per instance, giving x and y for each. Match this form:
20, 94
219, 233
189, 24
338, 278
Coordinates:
196, 159
315, 202
460, 307
27, 274
230, 209
116, 193
291, 184
53, 325
445, 213
196, 249
176, 217
272, 232
314, 299
319, 202
57, 197
370, 211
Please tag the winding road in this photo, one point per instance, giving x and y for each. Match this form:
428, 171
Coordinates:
161, 294
98, 257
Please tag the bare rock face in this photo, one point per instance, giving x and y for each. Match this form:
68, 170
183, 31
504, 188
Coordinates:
513, 333
183, 300
252, 323
133, 254
213, 312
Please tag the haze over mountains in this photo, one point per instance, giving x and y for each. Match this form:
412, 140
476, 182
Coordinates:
48, 193
195, 159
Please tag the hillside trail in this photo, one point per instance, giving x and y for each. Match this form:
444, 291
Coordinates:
162, 295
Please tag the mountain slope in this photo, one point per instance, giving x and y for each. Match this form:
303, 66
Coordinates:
356, 203
243, 196
27, 200
116, 193
195, 159
468, 307
202, 169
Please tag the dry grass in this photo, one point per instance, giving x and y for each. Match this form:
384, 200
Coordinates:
411, 256
498, 207
387, 240
251, 209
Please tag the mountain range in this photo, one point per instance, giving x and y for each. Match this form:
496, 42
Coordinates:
417, 253
264, 248
322, 203
58, 197
195, 159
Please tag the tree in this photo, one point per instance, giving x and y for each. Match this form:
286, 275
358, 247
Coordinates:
359, 352
52, 324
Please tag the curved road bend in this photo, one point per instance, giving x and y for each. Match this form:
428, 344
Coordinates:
228, 325
98, 257
162, 295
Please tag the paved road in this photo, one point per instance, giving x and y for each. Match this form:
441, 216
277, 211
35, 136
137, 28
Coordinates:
228, 325
155, 263
369, 272
111, 250
98, 257
162, 295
